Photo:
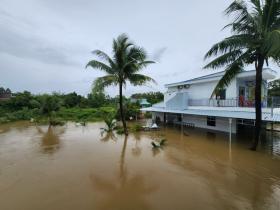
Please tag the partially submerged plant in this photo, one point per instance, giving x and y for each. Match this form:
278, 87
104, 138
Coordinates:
111, 123
56, 122
81, 123
136, 127
160, 144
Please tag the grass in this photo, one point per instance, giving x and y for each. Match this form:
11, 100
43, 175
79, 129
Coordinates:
64, 114
84, 115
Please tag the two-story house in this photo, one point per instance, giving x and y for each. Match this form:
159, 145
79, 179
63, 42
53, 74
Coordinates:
190, 103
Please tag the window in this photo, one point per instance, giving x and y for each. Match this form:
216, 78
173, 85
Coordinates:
211, 121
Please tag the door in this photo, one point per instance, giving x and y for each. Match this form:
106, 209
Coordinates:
241, 96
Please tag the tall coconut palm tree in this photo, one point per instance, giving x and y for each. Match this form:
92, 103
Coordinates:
124, 66
255, 40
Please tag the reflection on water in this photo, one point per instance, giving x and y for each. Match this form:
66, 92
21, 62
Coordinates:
136, 150
125, 192
108, 136
50, 139
195, 170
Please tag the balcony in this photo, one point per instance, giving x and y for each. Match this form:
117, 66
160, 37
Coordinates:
234, 102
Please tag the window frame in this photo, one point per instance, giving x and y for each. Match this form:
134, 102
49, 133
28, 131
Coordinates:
211, 121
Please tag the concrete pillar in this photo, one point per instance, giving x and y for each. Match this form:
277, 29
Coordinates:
230, 132
230, 128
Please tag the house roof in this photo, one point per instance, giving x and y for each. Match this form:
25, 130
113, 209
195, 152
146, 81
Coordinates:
229, 112
144, 101
267, 74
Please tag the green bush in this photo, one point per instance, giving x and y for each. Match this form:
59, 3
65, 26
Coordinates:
136, 127
55, 122
88, 114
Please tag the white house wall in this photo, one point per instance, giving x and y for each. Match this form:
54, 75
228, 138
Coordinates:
231, 90
204, 90
222, 124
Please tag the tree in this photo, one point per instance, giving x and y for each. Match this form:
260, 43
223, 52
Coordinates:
274, 88
20, 100
255, 40
124, 66
97, 97
72, 100
49, 105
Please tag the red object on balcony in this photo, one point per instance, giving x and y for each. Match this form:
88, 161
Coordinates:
241, 100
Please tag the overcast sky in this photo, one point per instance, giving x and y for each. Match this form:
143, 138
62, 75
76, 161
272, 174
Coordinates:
45, 44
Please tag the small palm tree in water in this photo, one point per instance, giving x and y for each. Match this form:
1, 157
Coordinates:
255, 40
110, 122
124, 66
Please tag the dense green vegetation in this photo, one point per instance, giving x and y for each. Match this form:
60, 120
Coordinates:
54, 108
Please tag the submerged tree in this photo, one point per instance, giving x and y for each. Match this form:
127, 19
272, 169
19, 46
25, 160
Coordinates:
255, 40
50, 105
124, 66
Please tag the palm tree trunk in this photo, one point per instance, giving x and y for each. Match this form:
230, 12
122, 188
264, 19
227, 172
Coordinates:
121, 111
258, 102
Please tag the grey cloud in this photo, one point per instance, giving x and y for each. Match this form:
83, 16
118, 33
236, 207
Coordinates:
33, 47
51, 40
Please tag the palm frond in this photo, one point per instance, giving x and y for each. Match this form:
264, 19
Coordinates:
140, 79
272, 44
224, 59
104, 56
105, 81
271, 12
241, 12
240, 28
231, 71
144, 64
235, 42
137, 53
101, 66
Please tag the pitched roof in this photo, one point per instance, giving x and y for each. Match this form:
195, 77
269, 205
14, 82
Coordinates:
208, 76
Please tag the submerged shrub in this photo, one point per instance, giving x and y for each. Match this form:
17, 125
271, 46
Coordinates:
136, 127
56, 122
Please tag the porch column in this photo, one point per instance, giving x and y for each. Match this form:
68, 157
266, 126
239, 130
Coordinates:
230, 128
164, 118
230, 131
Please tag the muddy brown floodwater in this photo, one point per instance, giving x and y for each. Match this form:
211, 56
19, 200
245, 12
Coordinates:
72, 167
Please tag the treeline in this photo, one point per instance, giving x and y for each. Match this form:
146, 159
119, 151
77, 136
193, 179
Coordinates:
27, 100
72, 107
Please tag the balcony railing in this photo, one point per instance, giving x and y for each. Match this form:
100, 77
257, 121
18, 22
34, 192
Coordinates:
234, 102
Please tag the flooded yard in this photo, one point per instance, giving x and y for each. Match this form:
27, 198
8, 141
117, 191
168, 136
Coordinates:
73, 167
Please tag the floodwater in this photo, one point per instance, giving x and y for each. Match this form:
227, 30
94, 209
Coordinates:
73, 167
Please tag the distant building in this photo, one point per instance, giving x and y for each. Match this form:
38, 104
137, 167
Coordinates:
5, 94
142, 101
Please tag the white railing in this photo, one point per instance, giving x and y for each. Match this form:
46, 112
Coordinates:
273, 102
